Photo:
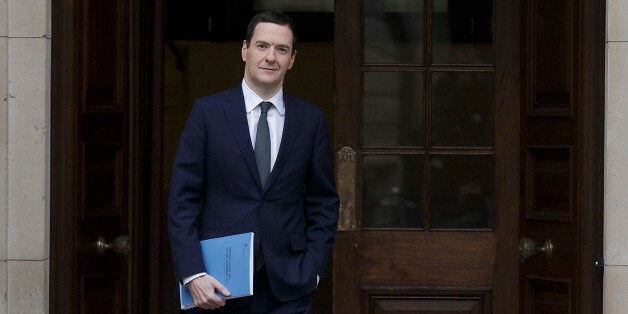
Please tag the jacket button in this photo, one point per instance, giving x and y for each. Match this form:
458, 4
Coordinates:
262, 203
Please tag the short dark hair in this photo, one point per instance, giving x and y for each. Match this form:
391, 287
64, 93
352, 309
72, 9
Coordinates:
275, 17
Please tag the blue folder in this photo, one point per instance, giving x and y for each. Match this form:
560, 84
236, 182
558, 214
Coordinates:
230, 260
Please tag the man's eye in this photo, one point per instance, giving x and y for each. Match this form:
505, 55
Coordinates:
262, 46
282, 50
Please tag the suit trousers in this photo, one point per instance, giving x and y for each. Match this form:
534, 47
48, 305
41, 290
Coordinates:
262, 301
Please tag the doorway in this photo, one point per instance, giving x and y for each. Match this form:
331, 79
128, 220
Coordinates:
111, 143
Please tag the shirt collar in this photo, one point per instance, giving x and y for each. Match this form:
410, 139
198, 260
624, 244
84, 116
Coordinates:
252, 100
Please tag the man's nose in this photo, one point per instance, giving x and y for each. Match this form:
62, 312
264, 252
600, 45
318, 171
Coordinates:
270, 56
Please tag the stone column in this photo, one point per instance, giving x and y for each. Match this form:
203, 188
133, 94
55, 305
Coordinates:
24, 218
4, 86
616, 159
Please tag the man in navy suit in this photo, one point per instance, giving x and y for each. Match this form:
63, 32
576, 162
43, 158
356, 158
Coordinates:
219, 186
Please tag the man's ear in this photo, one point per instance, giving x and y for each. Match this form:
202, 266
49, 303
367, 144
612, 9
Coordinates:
244, 48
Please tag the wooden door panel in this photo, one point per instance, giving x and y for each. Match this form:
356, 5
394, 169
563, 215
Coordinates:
102, 294
380, 300
438, 259
548, 188
548, 295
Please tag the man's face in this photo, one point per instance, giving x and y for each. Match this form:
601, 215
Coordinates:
268, 57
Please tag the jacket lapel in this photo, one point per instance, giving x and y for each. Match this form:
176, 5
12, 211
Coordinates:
236, 116
290, 133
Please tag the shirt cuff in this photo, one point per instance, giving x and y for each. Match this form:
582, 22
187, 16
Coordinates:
186, 280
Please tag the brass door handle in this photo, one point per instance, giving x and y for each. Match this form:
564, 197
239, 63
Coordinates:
528, 249
119, 245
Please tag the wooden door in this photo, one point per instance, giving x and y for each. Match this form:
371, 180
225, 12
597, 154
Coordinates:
100, 156
428, 97
562, 115
460, 129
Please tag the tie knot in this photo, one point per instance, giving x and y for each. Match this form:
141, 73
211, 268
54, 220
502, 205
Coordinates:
265, 105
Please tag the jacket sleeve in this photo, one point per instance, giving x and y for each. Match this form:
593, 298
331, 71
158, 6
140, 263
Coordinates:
186, 186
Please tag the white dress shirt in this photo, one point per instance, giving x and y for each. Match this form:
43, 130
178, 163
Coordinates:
276, 117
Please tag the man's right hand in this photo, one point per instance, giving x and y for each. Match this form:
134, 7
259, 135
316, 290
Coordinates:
203, 290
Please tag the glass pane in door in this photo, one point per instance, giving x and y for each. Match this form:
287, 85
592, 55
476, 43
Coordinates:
393, 31
462, 32
393, 191
460, 195
393, 109
462, 109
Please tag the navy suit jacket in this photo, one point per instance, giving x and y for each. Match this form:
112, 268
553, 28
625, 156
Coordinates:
215, 191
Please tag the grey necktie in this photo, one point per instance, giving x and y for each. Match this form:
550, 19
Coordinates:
262, 144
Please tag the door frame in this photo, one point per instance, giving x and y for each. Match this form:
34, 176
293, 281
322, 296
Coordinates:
591, 149
62, 156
